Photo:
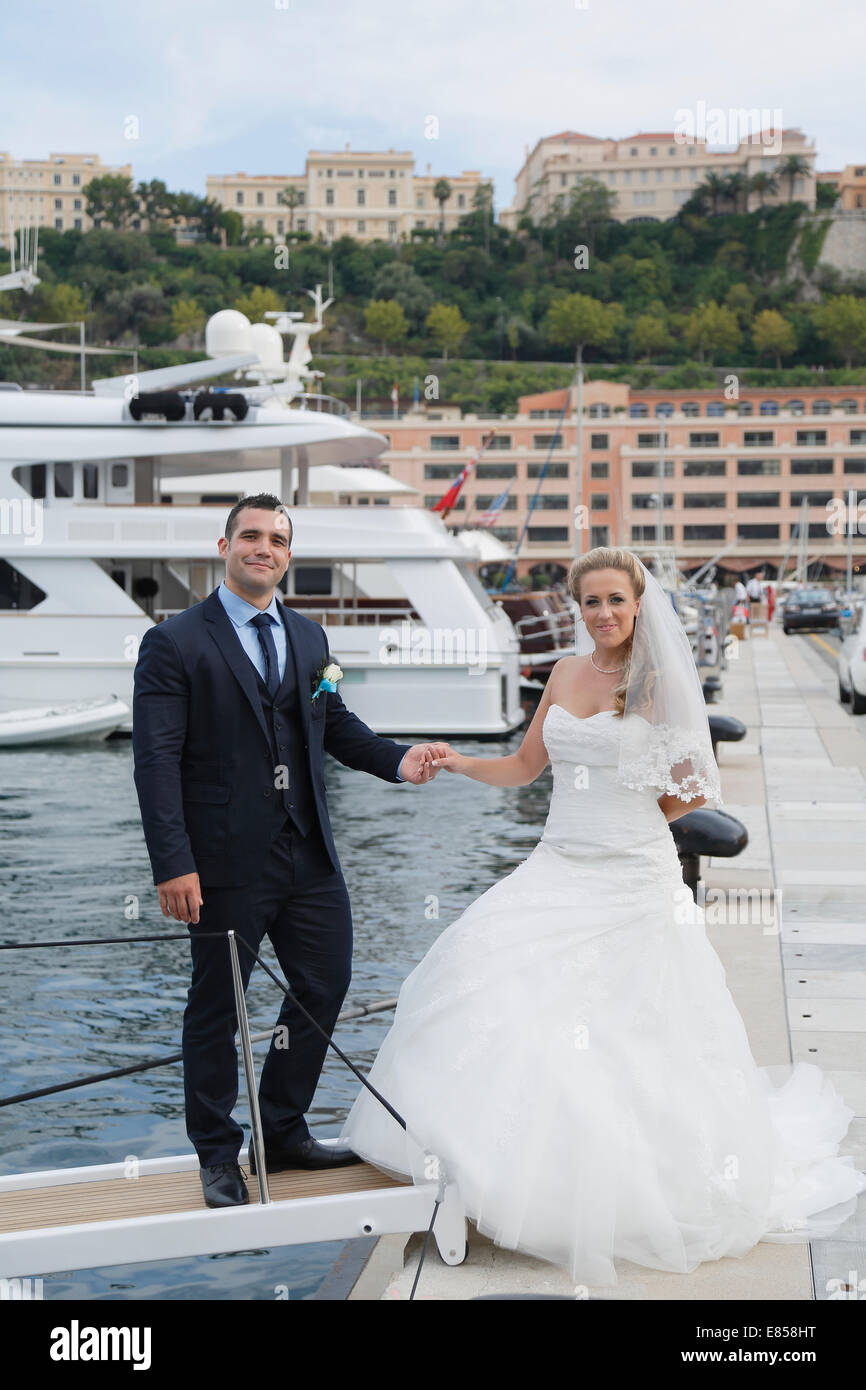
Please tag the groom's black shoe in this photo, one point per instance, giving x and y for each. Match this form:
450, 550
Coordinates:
308, 1154
223, 1185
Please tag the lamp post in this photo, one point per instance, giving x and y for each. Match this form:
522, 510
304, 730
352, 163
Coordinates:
578, 511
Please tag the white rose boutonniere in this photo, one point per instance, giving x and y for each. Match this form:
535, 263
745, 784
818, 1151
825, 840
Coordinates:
326, 677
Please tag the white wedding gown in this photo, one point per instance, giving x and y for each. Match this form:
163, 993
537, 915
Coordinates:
570, 1053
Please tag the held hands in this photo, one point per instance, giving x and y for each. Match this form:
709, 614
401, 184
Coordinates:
419, 764
180, 897
451, 762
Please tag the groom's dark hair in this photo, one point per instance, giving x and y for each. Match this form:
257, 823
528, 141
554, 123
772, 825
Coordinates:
266, 502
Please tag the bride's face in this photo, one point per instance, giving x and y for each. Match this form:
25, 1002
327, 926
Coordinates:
608, 607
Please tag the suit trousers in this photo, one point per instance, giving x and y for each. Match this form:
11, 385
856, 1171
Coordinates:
302, 905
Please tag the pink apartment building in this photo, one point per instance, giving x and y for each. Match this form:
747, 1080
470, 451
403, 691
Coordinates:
736, 471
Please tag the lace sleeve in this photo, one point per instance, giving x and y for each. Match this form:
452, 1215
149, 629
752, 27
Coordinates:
671, 761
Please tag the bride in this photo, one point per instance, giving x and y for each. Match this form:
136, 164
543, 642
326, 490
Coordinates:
568, 1052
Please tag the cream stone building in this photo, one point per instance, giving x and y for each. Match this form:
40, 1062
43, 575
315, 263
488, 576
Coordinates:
652, 175
367, 195
49, 192
850, 184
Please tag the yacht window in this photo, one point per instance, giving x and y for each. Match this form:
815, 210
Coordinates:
312, 579
63, 480
90, 480
38, 480
119, 474
16, 591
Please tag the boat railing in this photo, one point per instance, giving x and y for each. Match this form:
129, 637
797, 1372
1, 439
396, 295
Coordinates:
320, 401
336, 612
245, 1043
333, 611
559, 625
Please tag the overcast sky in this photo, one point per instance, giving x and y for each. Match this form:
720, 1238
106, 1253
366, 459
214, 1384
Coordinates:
254, 84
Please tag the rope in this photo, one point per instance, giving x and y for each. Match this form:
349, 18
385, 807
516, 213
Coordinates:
357, 1011
343, 1058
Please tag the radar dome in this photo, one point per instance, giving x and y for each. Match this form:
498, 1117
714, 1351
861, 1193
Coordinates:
226, 333
266, 341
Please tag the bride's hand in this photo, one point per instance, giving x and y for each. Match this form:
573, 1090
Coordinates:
452, 762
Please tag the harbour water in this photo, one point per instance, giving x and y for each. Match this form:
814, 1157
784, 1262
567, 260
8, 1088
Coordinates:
74, 865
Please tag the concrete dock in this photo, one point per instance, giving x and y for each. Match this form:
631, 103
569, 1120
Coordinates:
798, 783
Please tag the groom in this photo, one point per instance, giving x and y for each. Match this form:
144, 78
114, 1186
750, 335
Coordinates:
229, 745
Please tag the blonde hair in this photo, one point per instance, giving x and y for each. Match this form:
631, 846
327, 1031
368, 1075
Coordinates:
605, 557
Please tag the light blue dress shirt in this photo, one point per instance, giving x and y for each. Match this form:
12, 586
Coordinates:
240, 613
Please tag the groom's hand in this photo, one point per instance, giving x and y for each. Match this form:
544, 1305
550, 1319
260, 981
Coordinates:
180, 897
417, 765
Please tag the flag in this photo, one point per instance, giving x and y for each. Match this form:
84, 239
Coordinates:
449, 500
491, 515
415, 397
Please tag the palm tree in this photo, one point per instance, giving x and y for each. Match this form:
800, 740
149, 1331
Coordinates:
482, 206
737, 188
763, 184
441, 192
790, 169
292, 198
552, 218
715, 187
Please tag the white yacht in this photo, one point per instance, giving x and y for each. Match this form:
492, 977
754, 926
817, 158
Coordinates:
91, 556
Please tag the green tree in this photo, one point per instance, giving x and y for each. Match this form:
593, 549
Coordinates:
714, 187
132, 308
711, 328
442, 192
763, 184
771, 333
590, 208
257, 302
741, 302
649, 336
737, 190
111, 199
386, 321
397, 280
791, 168
291, 197
579, 321
187, 319
826, 196
482, 209
233, 225
515, 329
841, 322
447, 326
59, 304
156, 202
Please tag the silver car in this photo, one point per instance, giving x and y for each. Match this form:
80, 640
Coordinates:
852, 661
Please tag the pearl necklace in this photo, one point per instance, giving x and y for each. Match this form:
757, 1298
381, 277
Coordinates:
602, 670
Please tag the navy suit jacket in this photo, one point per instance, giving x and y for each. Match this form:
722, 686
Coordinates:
203, 759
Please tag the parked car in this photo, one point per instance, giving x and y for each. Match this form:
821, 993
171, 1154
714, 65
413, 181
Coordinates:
809, 609
852, 663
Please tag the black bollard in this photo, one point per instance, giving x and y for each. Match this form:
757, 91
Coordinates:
708, 832
725, 729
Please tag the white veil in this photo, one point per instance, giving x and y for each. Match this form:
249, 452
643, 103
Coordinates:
665, 741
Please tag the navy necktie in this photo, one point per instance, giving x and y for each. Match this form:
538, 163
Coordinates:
262, 623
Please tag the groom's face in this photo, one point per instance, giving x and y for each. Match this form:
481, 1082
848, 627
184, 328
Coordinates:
257, 555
